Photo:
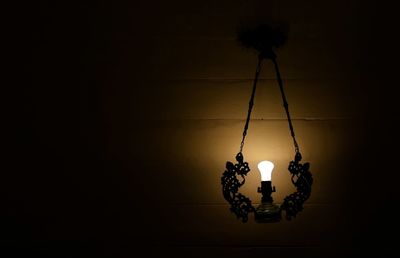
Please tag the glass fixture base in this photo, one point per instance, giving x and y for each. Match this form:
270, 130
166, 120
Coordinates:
267, 212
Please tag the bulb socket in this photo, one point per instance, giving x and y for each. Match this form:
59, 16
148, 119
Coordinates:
266, 190
267, 211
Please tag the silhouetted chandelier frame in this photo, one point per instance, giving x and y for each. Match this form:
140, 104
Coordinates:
264, 39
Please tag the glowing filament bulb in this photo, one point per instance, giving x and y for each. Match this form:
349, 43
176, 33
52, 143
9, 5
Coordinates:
265, 168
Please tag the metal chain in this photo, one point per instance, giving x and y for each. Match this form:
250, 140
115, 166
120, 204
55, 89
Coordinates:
251, 102
285, 105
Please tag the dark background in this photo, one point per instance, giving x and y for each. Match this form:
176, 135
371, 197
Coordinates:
126, 113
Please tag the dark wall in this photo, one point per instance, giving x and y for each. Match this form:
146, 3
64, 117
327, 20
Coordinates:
131, 109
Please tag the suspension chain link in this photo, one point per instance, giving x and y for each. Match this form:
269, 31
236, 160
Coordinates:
285, 103
251, 102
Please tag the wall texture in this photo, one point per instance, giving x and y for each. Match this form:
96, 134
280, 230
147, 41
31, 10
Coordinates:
132, 110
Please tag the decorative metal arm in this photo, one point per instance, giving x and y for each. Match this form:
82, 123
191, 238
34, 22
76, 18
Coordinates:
240, 204
302, 179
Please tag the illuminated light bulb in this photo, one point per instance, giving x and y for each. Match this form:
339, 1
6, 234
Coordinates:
267, 211
265, 168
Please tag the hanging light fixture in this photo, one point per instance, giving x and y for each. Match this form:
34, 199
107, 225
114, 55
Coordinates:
265, 39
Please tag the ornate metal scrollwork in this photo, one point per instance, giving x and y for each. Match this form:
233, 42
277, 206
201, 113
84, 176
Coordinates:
240, 204
302, 179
